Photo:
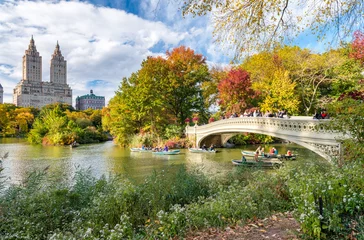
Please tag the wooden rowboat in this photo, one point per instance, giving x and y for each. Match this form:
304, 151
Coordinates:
173, 152
259, 164
200, 150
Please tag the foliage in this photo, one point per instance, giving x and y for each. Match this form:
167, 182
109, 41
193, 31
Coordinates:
347, 118
357, 47
168, 204
281, 95
162, 92
15, 121
250, 25
235, 92
55, 126
250, 138
323, 199
209, 88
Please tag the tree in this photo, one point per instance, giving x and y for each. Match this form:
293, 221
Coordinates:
246, 25
209, 88
164, 91
188, 71
347, 118
281, 94
357, 47
235, 92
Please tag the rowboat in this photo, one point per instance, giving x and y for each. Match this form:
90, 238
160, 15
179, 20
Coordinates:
252, 154
261, 164
140, 150
74, 145
269, 155
288, 157
173, 152
200, 150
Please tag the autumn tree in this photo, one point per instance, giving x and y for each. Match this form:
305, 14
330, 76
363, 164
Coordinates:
357, 47
281, 94
246, 25
235, 92
209, 88
164, 91
188, 71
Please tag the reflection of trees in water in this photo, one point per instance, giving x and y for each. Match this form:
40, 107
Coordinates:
107, 158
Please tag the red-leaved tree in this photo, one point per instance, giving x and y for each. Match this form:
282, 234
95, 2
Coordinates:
235, 92
357, 46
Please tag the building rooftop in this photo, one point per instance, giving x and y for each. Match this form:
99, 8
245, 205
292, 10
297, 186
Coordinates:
90, 95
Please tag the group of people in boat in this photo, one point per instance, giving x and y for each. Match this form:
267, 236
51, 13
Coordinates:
257, 113
260, 152
211, 148
156, 149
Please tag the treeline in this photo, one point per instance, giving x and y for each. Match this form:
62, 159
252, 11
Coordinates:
166, 91
54, 124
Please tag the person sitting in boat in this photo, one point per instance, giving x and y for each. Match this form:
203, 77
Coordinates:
204, 147
243, 159
212, 147
165, 148
289, 153
262, 152
258, 149
271, 150
143, 147
275, 151
257, 152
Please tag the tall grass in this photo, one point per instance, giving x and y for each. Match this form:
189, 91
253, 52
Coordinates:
167, 205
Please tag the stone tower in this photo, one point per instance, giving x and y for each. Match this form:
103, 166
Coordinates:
31, 91
1, 94
58, 67
32, 64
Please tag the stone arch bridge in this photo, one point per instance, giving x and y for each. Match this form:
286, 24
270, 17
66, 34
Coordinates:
303, 131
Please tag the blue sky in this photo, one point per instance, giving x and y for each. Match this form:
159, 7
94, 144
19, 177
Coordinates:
102, 40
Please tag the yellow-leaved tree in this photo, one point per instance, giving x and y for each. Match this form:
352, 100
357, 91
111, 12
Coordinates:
281, 94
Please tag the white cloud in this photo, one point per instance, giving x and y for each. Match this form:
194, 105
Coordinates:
97, 42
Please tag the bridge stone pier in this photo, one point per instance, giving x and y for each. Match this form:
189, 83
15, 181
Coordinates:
303, 131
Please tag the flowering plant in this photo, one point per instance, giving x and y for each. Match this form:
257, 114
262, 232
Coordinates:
187, 120
211, 119
195, 119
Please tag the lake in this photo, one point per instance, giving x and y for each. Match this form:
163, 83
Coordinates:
107, 158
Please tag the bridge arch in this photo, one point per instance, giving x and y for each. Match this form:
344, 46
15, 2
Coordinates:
303, 131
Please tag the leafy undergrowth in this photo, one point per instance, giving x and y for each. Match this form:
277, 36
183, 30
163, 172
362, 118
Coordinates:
171, 205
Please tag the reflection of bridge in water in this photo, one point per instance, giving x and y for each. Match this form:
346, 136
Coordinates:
303, 131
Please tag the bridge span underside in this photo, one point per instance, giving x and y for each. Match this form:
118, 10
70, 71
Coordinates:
304, 131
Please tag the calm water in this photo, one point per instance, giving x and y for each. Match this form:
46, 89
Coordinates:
107, 158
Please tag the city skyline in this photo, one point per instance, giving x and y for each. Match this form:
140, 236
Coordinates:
103, 41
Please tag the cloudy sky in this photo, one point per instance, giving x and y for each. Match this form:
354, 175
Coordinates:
102, 40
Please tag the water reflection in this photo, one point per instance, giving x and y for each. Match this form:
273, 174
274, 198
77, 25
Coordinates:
107, 158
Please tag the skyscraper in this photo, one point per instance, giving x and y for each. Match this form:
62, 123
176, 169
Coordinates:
32, 91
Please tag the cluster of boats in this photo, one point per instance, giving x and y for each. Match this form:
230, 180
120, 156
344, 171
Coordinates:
269, 160
172, 152
249, 158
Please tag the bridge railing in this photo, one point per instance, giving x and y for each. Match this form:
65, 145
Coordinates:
297, 124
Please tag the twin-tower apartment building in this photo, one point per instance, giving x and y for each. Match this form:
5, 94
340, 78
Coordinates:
32, 91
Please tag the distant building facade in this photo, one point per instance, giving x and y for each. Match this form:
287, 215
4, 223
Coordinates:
90, 101
31, 91
1, 94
